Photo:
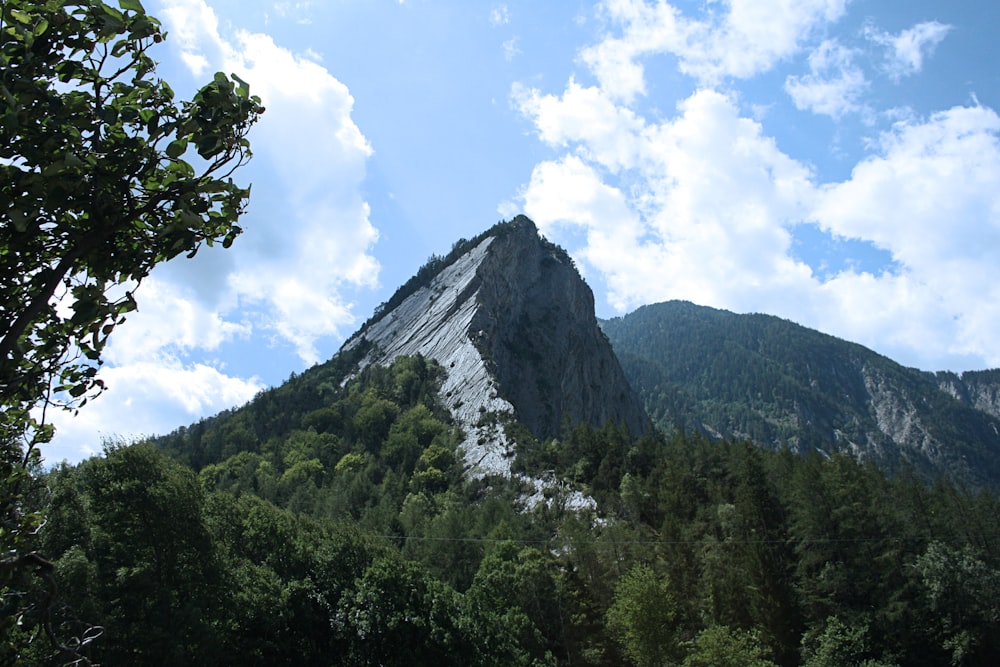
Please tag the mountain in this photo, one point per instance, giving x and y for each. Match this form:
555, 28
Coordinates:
511, 321
782, 385
351, 512
504, 329
511, 324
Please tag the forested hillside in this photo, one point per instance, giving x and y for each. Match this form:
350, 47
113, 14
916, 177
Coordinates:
331, 524
783, 385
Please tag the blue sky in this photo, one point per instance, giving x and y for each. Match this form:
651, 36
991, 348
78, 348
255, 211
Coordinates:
833, 162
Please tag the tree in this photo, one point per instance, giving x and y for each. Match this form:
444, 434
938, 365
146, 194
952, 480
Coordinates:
95, 190
962, 591
643, 618
840, 645
520, 584
397, 615
156, 566
722, 646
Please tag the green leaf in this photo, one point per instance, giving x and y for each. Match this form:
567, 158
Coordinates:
132, 5
177, 148
21, 16
112, 13
129, 113
120, 47
109, 115
19, 219
208, 146
113, 20
181, 169
244, 88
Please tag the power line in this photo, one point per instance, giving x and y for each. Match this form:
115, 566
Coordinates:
697, 542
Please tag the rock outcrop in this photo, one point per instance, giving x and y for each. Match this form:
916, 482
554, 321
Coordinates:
979, 390
512, 322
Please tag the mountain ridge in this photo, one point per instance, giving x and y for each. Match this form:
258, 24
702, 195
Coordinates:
782, 385
512, 322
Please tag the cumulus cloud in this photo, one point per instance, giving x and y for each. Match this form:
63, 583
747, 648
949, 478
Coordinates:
298, 11
698, 208
702, 204
169, 317
744, 39
307, 242
145, 398
833, 85
308, 230
152, 386
320, 240
499, 15
906, 51
511, 49
931, 197
586, 118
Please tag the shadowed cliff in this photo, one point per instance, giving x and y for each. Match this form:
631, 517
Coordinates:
511, 320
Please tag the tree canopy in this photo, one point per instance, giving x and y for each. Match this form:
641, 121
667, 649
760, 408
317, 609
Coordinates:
99, 183
103, 175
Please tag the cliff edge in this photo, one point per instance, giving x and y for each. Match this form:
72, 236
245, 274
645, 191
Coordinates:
512, 322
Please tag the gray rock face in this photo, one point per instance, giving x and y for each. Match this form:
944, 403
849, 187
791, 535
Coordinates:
899, 418
979, 390
536, 324
513, 324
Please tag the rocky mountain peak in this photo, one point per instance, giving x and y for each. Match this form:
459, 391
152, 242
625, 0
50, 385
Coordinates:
511, 320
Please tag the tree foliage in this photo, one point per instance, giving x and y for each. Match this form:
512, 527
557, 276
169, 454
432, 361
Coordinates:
329, 540
103, 175
98, 184
643, 618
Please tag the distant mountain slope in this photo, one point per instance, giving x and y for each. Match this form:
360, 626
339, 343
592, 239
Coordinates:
783, 385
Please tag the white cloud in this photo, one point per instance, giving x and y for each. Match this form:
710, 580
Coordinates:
152, 385
145, 398
931, 197
321, 243
908, 49
307, 240
299, 11
308, 233
938, 178
194, 29
834, 83
499, 15
587, 118
746, 38
169, 316
702, 205
511, 49
568, 191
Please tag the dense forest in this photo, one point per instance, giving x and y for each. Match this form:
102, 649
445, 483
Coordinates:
330, 523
